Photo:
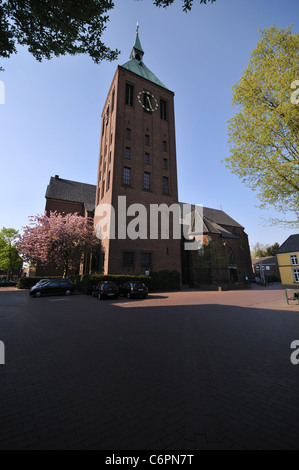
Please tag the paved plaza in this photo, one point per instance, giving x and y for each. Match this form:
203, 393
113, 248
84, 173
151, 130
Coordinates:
187, 370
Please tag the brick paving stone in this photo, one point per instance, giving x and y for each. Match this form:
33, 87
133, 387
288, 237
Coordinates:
191, 371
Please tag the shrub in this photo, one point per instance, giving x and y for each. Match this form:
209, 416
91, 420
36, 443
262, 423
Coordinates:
87, 281
28, 282
165, 280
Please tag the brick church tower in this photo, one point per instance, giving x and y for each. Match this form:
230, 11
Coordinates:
138, 160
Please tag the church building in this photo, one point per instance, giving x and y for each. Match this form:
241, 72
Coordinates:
138, 165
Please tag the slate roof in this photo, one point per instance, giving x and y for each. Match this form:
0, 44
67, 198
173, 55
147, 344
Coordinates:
220, 217
212, 227
291, 245
265, 260
72, 191
214, 221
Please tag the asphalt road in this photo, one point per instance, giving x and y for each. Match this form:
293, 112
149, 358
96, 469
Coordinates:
178, 371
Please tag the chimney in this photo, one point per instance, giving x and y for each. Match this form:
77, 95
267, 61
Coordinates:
57, 177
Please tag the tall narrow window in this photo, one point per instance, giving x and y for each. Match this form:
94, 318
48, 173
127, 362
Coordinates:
127, 153
128, 134
294, 260
108, 181
128, 259
146, 260
147, 140
103, 189
165, 164
129, 95
163, 110
127, 176
113, 99
147, 158
164, 146
147, 181
165, 185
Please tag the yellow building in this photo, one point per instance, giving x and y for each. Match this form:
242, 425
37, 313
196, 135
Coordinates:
288, 261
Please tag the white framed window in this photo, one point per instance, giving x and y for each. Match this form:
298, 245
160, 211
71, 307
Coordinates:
294, 260
296, 275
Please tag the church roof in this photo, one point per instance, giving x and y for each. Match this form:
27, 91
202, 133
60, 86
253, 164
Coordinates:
72, 191
137, 66
210, 226
220, 217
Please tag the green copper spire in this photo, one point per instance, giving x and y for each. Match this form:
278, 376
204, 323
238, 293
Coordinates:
137, 66
137, 52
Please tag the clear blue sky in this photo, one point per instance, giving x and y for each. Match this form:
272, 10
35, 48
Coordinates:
50, 123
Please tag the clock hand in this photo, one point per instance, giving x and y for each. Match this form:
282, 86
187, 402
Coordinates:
150, 104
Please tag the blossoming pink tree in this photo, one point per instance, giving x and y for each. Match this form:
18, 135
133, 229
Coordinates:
62, 239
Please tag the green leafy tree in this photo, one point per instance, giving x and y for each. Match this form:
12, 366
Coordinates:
58, 27
9, 256
262, 251
264, 133
55, 27
187, 4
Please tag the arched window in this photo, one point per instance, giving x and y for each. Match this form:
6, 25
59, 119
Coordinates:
231, 257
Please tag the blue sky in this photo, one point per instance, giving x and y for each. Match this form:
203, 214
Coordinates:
50, 123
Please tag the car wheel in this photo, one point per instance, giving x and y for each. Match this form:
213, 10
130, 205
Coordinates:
68, 292
145, 296
38, 294
116, 296
128, 295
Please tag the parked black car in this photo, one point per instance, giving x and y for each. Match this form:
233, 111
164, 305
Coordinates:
5, 283
105, 290
133, 290
55, 286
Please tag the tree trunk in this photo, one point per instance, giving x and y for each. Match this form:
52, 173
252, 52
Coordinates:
66, 270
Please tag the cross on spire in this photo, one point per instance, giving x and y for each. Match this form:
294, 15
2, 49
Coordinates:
137, 52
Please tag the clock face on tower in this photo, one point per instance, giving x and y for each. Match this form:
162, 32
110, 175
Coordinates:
148, 101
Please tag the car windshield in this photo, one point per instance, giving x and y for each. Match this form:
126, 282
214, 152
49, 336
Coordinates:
139, 284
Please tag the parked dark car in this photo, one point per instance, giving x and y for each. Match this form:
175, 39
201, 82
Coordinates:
105, 290
133, 290
46, 281
53, 287
5, 283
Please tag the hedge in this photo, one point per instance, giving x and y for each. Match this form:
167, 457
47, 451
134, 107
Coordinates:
165, 280
87, 281
157, 281
28, 282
